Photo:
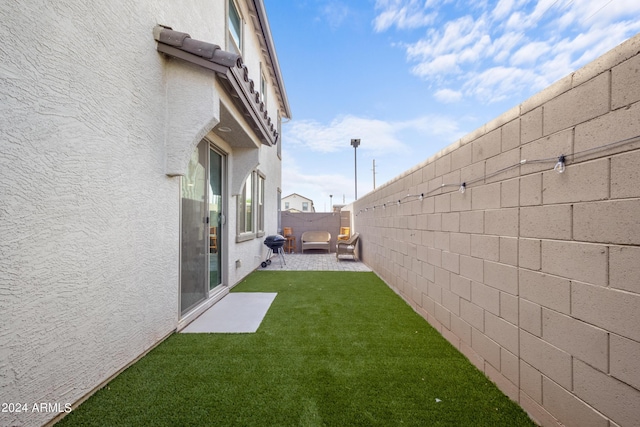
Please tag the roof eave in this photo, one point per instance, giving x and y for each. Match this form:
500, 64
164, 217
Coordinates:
229, 67
266, 33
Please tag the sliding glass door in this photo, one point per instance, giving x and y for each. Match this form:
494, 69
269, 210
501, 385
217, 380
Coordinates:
216, 218
202, 220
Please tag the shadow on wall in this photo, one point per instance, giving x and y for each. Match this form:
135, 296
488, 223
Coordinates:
317, 221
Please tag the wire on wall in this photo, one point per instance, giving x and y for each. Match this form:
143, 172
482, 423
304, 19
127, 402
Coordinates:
559, 167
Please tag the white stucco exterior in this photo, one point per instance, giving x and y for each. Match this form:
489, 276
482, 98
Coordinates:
96, 128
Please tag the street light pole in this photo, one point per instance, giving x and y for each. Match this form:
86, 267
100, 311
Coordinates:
330, 202
355, 143
374, 174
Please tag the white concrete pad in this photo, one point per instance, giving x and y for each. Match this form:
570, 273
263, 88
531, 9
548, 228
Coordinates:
237, 312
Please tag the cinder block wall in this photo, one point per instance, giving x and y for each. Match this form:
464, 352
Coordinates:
314, 221
533, 274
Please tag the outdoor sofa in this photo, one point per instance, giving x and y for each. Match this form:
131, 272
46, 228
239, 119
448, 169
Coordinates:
316, 240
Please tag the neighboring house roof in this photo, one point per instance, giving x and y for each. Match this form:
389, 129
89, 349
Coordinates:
234, 76
297, 195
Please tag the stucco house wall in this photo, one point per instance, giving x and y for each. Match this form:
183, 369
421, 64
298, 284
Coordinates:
96, 129
531, 273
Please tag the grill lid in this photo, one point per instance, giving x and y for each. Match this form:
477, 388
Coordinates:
275, 238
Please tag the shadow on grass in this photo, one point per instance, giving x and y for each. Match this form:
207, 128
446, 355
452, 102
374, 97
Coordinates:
335, 349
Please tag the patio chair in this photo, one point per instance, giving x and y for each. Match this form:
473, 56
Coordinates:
290, 244
345, 233
348, 247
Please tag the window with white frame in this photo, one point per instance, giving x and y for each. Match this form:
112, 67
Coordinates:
260, 205
305, 206
235, 27
263, 88
279, 205
251, 209
245, 208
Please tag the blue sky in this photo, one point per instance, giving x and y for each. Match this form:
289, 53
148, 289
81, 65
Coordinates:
410, 77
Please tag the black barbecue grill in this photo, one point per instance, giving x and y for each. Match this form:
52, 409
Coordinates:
275, 244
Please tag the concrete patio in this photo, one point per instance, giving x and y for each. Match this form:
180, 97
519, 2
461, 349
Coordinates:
315, 261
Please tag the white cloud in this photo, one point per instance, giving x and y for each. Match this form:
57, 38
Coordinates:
432, 125
334, 136
502, 46
543, 7
502, 9
496, 51
529, 53
403, 14
461, 34
381, 137
335, 13
517, 21
498, 83
461, 41
444, 64
448, 96
619, 10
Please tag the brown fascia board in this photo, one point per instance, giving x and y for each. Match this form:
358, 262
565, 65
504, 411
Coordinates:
227, 65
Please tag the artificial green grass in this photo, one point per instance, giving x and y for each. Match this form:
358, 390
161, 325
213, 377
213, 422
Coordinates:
335, 349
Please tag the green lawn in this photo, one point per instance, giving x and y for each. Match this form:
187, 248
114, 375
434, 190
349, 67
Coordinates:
335, 349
